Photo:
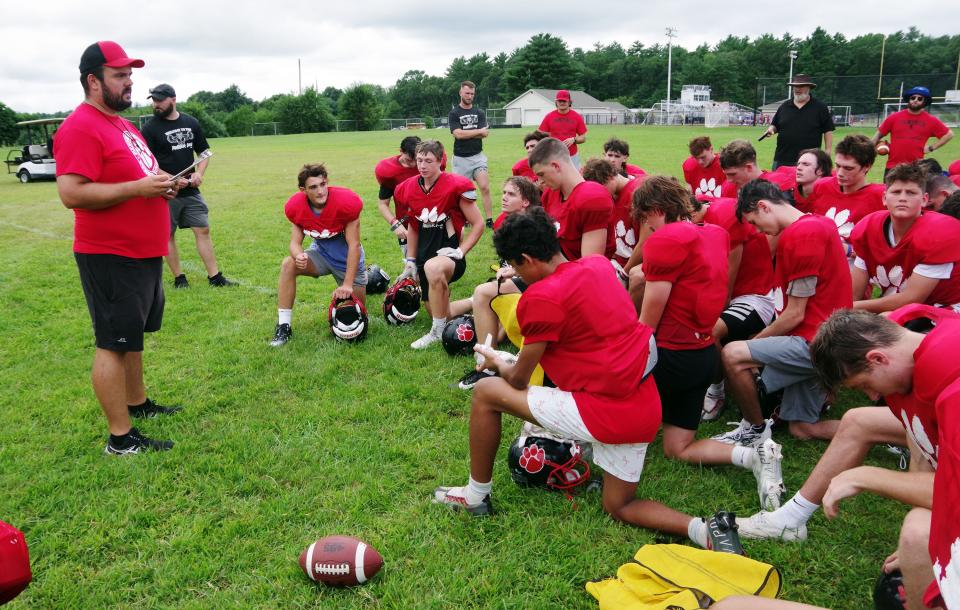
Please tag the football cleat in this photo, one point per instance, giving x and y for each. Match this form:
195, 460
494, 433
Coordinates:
218, 281
472, 377
722, 534
766, 469
425, 341
744, 434
712, 402
455, 499
152, 409
763, 525
181, 281
136, 443
282, 335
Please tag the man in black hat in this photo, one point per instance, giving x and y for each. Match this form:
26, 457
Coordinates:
175, 137
799, 123
117, 191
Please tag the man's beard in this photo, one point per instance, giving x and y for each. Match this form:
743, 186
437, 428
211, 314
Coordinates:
116, 102
801, 97
162, 114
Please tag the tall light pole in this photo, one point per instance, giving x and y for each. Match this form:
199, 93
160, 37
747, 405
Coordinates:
793, 55
671, 34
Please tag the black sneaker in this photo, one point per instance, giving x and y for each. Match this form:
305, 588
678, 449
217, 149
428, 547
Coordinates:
283, 334
136, 443
722, 535
489, 223
472, 377
181, 281
152, 409
219, 281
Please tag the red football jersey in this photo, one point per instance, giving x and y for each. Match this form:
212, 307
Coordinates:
343, 207
909, 134
931, 240
694, 259
945, 521
437, 204
811, 247
498, 221
563, 126
596, 348
803, 202
390, 174
634, 170
785, 181
845, 209
626, 229
588, 208
706, 182
755, 275
522, 168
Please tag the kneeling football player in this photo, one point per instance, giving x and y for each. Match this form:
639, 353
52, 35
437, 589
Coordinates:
600, 358
331, 216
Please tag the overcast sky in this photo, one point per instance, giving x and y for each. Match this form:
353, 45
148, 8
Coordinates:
255, 44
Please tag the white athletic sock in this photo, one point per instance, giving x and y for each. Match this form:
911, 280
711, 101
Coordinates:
743, 456
697, 531
716, 389
284, 316
476, 492
438, 324
796, 512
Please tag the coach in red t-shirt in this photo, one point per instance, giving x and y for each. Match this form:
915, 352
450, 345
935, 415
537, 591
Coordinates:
112, 182
910, 129
566, 125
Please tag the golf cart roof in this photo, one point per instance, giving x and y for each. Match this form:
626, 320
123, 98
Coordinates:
40, 122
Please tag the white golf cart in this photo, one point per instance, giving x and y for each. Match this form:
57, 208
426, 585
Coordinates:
34, 161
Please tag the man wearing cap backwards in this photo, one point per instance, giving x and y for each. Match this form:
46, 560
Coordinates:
175, 137
566, 125
910, 129
108, 177
799, 123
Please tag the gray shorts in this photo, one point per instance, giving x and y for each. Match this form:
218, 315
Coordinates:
469, 166
786, 364
187, 212
325, 267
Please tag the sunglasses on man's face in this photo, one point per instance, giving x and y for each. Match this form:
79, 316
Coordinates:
918, 98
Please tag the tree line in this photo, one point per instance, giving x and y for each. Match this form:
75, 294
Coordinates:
736, 69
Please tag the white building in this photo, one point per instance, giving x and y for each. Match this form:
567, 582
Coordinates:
529, 108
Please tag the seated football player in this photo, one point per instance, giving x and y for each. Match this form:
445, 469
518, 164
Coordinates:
600, 358
702, 170
685, 289
749, 308
812, 164
738, 159
951, 206
811, 280
390, 172
938, 187
331, 216
522, 167
908, 255
628, 233
435, 254
582, 210
617, 151
848, 197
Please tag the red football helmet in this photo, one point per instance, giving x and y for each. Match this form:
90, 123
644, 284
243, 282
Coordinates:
348, 319
401, 304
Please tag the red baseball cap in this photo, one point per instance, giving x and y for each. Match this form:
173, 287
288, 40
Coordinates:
563, 94
106, 53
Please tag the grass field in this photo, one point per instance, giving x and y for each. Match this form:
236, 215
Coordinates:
276, 448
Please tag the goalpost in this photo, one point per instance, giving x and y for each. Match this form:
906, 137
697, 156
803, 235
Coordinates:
841, 115
265, 129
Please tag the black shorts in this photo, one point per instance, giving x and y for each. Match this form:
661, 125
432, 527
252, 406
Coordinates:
459, 268
742, 322
124, 296
683, 377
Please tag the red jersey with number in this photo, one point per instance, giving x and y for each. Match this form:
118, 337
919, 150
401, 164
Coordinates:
811, 247
343, 206
909, 134
845, 209
596, 349
522, 168
563, 126
944, 543
755, 275
705, 182
693, 258
626, 230
109, 150
785, 181
931, 240
588, 208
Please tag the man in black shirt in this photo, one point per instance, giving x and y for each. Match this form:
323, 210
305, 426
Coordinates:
174, 138
799, 123
469, 126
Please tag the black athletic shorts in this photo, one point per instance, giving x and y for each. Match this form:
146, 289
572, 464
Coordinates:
459, 268
683, 377
742, 322
124, 296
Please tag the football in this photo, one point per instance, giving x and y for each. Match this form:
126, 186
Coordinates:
883, 148
340, 561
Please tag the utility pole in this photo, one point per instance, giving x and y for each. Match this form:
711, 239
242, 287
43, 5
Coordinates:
793, 55
299, 78
671, 34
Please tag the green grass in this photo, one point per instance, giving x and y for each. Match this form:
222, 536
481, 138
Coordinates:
277, 448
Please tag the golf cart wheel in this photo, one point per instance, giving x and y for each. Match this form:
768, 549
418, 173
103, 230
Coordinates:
24, 176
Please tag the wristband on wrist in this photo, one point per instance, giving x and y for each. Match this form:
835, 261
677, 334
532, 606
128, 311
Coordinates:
410, 260
396, 224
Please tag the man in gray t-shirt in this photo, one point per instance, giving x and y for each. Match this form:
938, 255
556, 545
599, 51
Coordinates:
469, 126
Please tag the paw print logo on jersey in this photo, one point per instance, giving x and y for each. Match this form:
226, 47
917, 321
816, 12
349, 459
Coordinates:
557, 225
464, 332
533, 458
708, 187
325, 234
890, 282
626, 240
841, 218
778, 300
919, 435
948, 578
429, 218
